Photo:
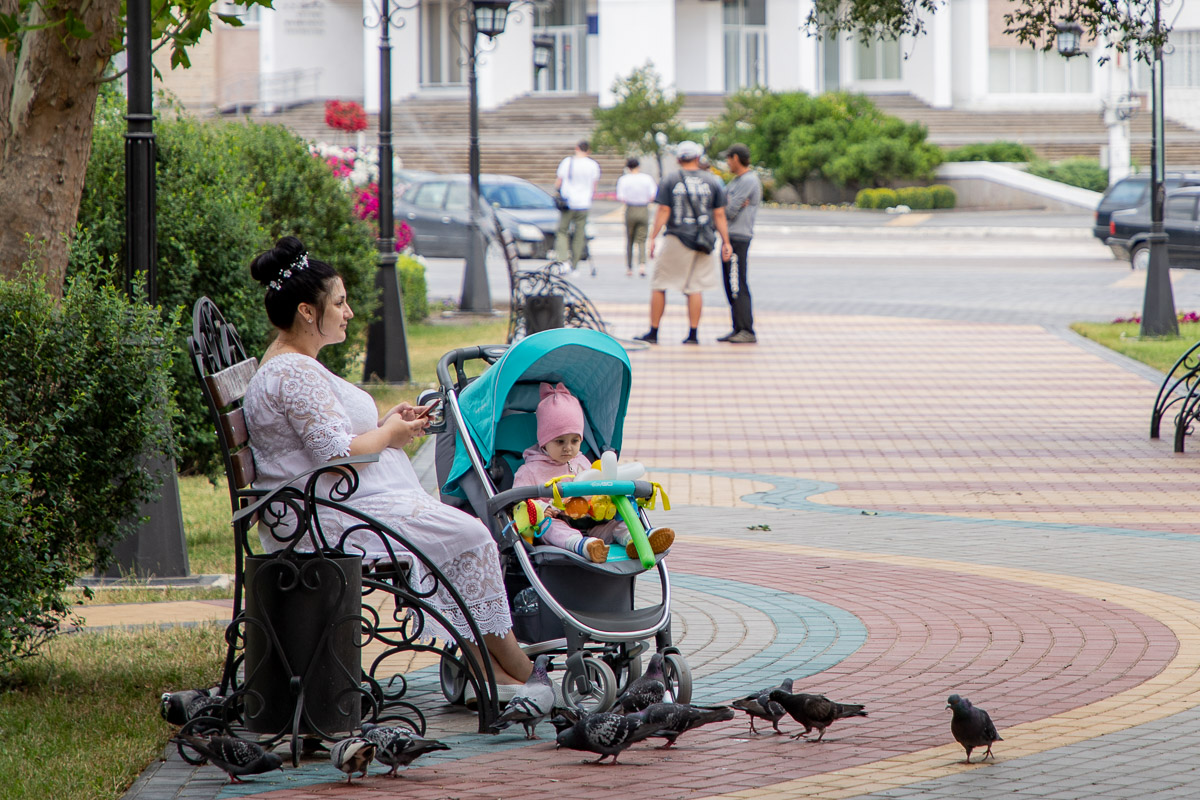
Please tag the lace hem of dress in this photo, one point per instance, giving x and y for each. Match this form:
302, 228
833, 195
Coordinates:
491, 616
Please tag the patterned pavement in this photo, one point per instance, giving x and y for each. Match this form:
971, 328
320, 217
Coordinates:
889, 511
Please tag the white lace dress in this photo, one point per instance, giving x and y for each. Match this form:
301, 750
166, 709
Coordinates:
300, 415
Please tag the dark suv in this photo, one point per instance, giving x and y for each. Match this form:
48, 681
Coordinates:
1131, 192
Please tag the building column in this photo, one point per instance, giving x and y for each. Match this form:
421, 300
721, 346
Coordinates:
632, 32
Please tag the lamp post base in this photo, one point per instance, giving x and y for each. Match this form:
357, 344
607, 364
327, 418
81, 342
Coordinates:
1158, 305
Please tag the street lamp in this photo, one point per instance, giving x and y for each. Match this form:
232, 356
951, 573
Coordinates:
487, 17
543, 51
1068, 37
1158, 304
387, 339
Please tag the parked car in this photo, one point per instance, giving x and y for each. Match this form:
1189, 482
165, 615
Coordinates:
1128, 229
1131, 192
436, 209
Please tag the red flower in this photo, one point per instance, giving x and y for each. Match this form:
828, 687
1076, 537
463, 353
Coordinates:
348, 116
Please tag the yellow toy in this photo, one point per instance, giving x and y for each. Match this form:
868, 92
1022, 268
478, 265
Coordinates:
530, 518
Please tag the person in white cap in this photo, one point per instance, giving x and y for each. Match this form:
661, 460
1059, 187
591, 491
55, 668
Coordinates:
691, 206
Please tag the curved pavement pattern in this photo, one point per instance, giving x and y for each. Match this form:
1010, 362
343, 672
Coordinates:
888, 511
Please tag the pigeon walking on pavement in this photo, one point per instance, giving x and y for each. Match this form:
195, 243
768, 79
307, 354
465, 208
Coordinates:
353, 754
671, 720
760, 705
644, 691
532, 703
236, 756
398, 745
180, 708
971, 726
814, 710
605, 733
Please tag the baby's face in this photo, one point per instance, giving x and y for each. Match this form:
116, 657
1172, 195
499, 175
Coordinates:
564, 448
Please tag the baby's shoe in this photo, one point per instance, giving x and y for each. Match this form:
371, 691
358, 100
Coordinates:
660, 539
594, 549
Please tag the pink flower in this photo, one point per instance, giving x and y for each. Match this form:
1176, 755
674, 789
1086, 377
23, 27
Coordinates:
348, 116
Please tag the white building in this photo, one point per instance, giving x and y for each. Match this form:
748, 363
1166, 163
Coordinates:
312, 49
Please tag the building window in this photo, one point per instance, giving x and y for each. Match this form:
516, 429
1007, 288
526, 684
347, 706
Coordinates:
879, 60
248, 14
1023, 70
1181, 63
745, 30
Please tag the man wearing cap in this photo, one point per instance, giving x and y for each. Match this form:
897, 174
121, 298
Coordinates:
743, 197
575, 181
691, 205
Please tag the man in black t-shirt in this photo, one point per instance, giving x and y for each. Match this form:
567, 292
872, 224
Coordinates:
691, 205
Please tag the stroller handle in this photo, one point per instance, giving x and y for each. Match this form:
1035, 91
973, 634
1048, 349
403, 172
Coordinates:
490, 353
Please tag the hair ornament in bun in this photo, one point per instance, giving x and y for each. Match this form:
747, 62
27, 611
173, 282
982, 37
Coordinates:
299, 265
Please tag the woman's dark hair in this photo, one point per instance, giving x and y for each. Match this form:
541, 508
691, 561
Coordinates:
291, 278
632, 162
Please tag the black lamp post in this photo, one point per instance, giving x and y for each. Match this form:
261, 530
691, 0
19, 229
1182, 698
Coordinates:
1158, 303
157, 548
487, 17
387, 339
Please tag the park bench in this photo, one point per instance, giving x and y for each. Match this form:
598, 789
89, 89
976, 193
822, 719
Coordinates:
1180, 389
305, 614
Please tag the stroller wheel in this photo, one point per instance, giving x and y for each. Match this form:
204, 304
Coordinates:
678, 678
599, 691
453, 678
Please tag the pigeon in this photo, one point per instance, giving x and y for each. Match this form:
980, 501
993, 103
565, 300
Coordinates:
644, 691
971, 726
398, 745
532, 703
352, 754
605, 732
236, 756
180, 708
760, 705
814, 710
673, 719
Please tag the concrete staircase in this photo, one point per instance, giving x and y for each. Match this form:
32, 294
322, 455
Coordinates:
1052, 135
530, 135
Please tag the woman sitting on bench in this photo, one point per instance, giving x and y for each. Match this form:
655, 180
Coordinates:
300, 415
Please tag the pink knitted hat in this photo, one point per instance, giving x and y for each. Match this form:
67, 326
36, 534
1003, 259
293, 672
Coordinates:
558, 413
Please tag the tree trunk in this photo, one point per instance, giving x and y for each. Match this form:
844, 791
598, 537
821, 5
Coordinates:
47, 103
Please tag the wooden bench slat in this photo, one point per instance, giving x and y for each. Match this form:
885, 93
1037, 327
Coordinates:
233, 425
243, 467
229, 385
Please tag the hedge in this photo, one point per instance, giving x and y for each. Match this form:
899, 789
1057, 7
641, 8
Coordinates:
915, 197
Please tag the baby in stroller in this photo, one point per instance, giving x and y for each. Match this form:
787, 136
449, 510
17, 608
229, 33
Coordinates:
560, 426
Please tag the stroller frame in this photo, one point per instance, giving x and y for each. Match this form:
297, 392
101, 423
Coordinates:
603, 648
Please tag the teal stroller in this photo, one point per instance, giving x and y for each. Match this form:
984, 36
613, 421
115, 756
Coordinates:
562, 604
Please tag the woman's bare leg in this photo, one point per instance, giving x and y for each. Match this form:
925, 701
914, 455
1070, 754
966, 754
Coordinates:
509, 662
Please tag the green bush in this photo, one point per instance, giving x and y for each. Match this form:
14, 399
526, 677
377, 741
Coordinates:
84, 399
225, 193
841, 137
1080, 171
412, 284
865, 198
917, 198
943, 196
999, 151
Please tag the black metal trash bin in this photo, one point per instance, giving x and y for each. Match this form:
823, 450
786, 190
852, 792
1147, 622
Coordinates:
302, 630
543, 312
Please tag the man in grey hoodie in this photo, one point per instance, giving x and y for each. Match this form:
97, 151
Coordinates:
743, 197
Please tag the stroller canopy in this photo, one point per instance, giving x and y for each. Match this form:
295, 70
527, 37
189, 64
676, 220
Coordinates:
593, 366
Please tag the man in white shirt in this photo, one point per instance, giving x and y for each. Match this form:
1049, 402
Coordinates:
636, 190
576, 182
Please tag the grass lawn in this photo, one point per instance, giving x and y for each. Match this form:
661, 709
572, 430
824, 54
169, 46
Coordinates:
80, 721
1123, 338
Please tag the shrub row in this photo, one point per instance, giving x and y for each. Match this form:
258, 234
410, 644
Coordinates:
1080, 171
999, 151
915, 197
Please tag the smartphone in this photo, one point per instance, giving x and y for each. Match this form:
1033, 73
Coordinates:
433, 406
